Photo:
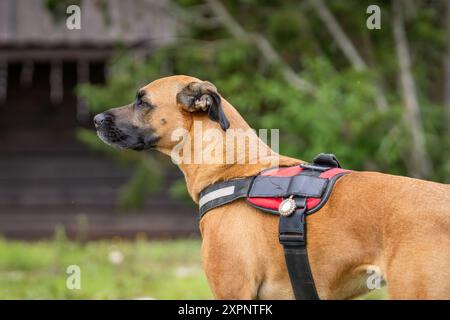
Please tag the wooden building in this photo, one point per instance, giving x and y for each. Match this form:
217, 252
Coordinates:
47, 177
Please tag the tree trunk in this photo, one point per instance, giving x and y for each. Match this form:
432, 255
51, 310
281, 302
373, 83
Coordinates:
419, 164
267, 50
338, 34
347, 47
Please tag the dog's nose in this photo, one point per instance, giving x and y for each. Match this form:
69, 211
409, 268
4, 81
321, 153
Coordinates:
102, 118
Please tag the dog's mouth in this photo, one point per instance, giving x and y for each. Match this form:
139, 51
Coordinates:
147, 144
117, 138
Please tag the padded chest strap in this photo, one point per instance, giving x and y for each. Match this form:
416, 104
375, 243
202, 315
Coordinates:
260, 186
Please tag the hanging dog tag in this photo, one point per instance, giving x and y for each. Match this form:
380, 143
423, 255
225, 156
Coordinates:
287, 207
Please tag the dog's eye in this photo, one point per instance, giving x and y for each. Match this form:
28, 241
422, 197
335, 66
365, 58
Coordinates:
142, 104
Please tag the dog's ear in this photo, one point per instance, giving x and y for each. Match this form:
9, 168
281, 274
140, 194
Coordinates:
203, 96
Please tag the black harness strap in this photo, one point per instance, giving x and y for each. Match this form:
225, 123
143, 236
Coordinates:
292, 236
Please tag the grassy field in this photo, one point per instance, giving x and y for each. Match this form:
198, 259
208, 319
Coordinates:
109, 270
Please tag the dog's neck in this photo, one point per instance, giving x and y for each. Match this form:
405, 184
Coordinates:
199, 175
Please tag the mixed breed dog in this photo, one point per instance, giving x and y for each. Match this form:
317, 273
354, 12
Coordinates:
300, 230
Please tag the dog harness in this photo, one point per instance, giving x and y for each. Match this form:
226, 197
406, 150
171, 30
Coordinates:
292, 193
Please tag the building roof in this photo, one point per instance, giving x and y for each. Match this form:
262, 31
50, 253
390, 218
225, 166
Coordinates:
25, 23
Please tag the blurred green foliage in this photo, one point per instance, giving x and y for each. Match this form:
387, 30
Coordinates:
340, 117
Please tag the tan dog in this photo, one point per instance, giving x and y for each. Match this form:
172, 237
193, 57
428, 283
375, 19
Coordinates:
401, 225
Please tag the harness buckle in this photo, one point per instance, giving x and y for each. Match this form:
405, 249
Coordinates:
292, 239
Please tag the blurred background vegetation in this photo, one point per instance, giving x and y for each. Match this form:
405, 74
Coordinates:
315, 71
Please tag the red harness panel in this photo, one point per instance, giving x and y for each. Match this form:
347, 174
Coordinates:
274, 203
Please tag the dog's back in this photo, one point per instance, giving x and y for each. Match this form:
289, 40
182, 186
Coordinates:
405, 220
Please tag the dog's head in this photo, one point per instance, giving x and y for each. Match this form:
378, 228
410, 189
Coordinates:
161, 107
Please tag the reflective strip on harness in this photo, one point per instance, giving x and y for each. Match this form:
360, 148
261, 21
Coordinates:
223, 192
228, 191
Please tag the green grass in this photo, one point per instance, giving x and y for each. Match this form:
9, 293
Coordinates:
149, 269
156, 269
